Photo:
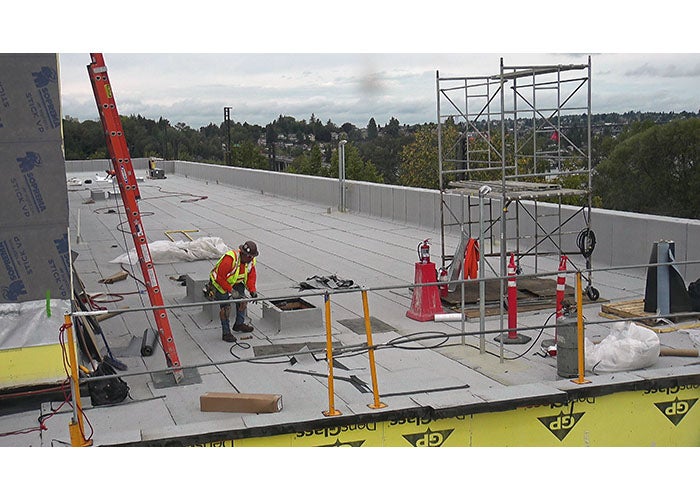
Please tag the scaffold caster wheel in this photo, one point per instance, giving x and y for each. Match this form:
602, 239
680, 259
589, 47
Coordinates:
592, 293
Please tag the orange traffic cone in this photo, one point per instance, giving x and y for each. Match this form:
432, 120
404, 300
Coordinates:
513, 337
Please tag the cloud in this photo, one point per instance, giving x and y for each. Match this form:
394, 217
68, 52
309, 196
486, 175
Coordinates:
350, 87
665, 71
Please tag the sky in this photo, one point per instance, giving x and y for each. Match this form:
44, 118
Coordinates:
350, 63
194, 88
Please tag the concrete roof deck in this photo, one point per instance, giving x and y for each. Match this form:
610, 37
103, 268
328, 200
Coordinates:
419, 364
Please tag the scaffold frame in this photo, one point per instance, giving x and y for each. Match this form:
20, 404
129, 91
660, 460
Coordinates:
512, 140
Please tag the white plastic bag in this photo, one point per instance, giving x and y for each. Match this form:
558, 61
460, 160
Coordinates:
628, 347
166, 252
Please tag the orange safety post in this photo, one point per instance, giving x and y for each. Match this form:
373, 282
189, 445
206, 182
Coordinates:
513, 336
512, 300
372, 367
581, 354
329, 356
75, 427
561, 288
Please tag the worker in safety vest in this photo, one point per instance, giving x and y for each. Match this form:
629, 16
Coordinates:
232, 274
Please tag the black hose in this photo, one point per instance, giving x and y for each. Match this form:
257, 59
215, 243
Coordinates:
586, 242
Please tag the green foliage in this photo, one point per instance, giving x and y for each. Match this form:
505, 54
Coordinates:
372, 132
84, 140
310, 163
355, 167
419, 159
248, 155
644, 162
656, 170
385, 153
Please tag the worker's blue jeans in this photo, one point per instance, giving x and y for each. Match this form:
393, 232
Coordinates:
237, 293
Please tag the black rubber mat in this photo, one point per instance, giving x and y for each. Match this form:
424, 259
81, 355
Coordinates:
161, 380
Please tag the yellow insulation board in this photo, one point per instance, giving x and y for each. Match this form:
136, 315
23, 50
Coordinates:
28, 366
665, 417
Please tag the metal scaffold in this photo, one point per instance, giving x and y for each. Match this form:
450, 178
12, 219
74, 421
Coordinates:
514, 152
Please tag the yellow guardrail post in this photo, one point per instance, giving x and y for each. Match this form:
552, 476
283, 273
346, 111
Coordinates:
329, 356
372, 367
75, 427
579, 312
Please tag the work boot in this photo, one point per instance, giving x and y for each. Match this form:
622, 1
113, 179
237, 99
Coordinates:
228, 337
242, 328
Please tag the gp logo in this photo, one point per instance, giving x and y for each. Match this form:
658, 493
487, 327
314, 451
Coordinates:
344, 444
560, 425
429, 438
675, 410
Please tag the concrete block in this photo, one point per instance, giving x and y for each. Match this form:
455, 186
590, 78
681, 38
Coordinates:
99, 194
194, 284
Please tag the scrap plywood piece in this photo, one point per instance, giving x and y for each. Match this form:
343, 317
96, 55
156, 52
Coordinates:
626, 309
534, 294
120, 276
629, 309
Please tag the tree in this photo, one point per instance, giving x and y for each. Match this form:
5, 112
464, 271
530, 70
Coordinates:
656, 170
309, 163
392, 128
385, 153
372, 132
248, 155
419, 159
83, 140
355, 168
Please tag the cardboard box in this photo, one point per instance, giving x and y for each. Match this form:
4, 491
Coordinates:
240, 403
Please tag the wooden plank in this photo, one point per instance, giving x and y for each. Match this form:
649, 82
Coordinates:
635, 309
626, 309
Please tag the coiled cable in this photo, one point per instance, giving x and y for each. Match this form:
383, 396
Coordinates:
586, 242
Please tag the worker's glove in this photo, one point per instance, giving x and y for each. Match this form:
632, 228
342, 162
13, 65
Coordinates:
208, 291
253, 295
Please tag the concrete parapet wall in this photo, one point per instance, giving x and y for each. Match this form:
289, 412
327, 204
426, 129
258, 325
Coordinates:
80, 166
622, 238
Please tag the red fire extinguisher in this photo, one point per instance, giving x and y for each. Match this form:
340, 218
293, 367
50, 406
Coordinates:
424, 251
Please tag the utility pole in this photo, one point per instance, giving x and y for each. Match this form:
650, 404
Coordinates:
341, 175
227, 121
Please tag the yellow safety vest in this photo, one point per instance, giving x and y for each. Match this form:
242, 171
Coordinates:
235, 275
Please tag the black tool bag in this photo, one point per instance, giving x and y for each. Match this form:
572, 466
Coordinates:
108, 391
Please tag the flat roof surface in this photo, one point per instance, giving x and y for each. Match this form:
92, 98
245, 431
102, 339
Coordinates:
431, 363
